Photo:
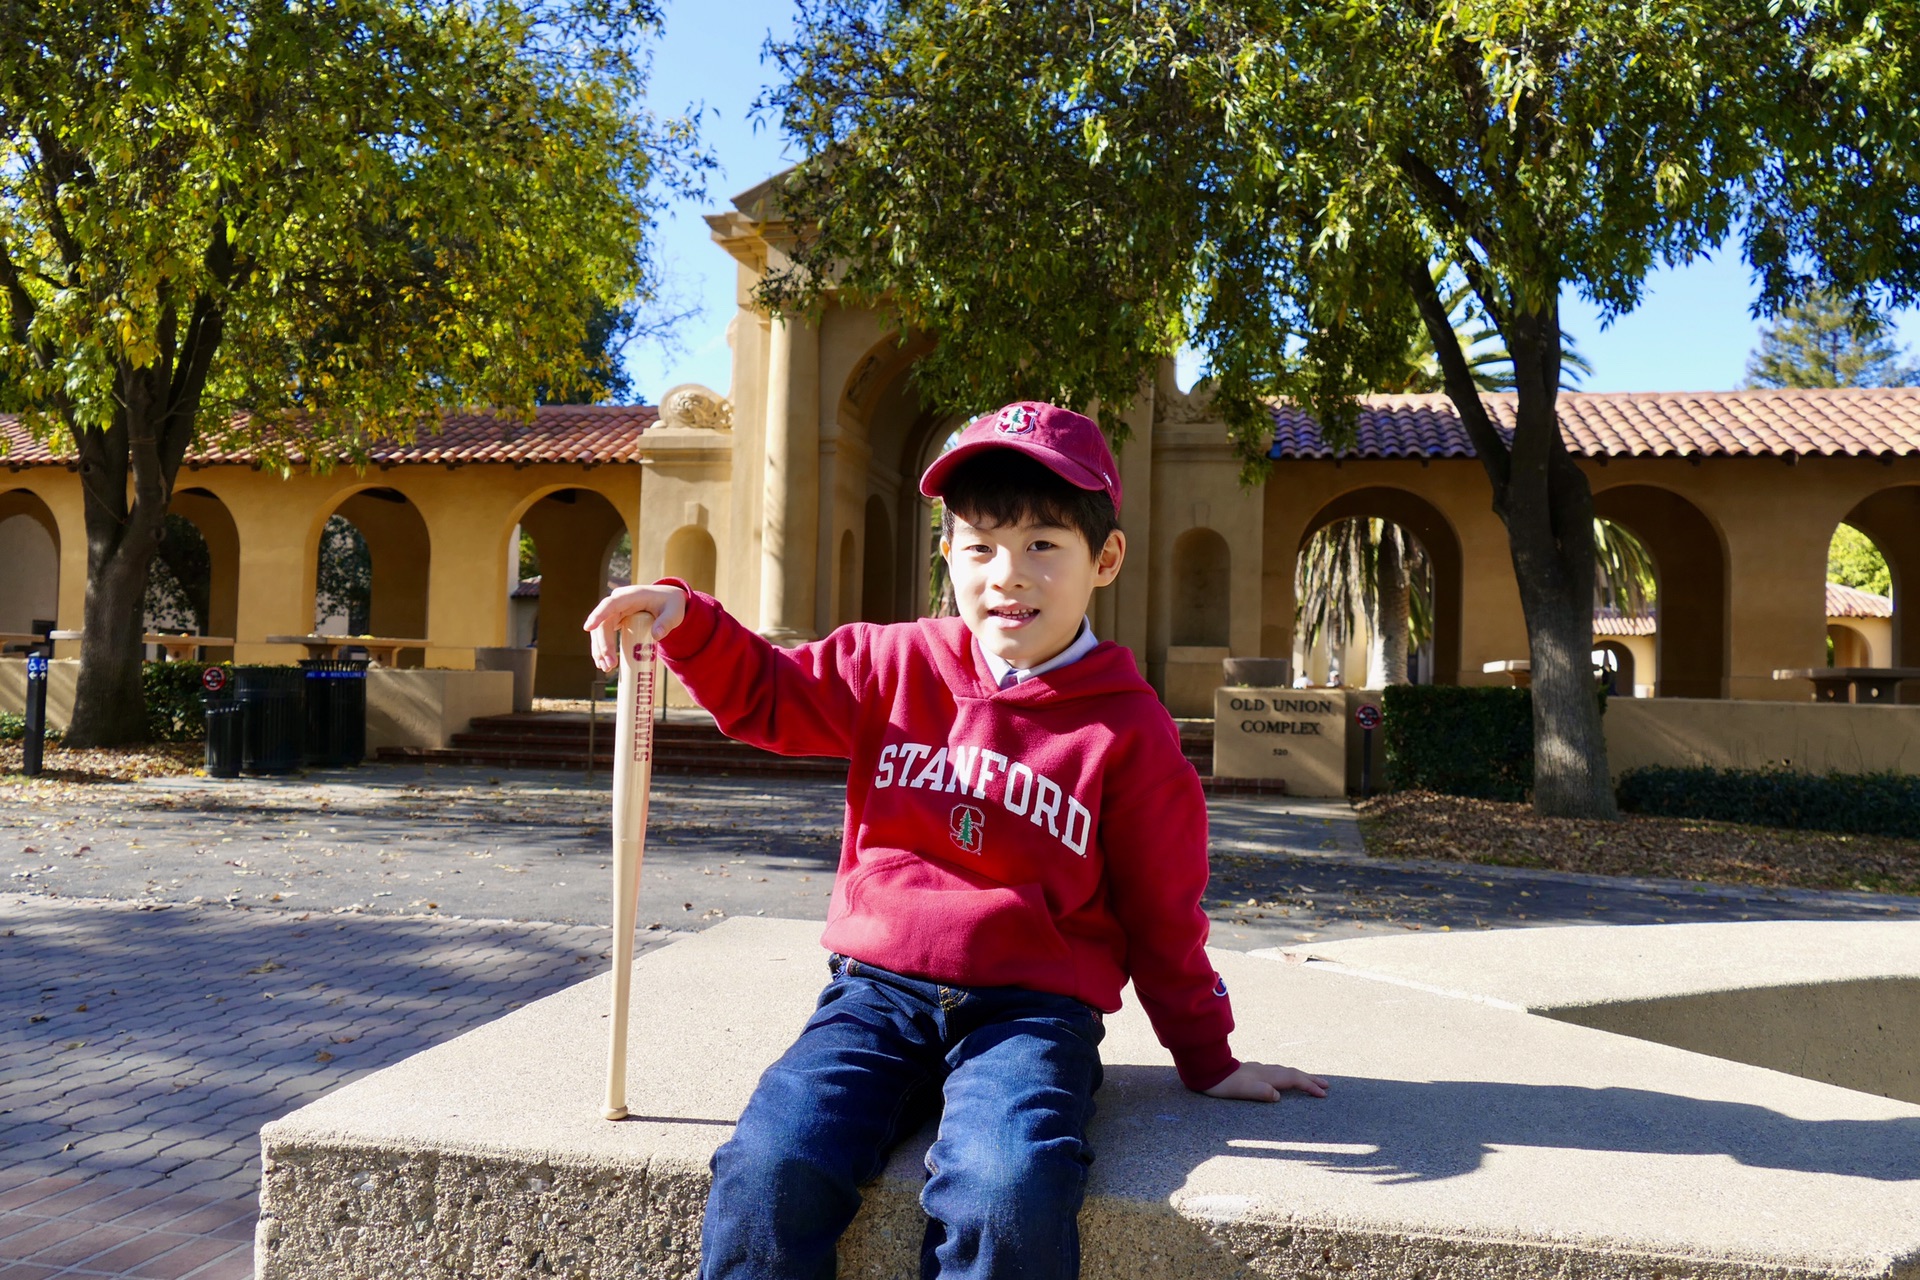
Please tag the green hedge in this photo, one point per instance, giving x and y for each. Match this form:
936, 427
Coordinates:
1459, 740
1883, 804
176, 707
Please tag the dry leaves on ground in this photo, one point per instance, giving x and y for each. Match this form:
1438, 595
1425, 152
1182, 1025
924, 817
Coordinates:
1418, 824
107, 764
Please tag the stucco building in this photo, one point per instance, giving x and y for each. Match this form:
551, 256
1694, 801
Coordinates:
793, 496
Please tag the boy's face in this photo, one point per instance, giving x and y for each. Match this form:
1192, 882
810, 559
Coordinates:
1023, 589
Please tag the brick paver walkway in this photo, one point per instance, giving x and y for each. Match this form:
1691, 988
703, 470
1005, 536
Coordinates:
141, 1049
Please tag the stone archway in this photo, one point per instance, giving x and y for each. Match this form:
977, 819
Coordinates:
1690, 562
29, 563
573, 531
401, 556
215, 523
1436, 536
1891, 518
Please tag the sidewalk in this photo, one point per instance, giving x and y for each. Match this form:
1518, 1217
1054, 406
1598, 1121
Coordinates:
143, 1047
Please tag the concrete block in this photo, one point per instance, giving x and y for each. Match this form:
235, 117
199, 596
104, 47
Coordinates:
1296, 735
425, 707
1465, 1138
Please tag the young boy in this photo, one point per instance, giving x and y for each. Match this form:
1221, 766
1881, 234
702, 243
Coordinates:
1023, 835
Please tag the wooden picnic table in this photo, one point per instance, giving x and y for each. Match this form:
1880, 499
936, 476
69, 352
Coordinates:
384, 650
175, 646
1852, 684
1518, 670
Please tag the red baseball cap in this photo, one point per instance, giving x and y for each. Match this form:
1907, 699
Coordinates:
1068, 444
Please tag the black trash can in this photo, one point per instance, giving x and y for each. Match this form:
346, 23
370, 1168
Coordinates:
336, 700
274, 699
226, 736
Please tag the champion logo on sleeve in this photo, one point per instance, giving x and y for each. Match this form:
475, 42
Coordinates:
1219, 986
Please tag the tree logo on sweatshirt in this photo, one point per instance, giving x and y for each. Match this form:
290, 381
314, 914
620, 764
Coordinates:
964, 826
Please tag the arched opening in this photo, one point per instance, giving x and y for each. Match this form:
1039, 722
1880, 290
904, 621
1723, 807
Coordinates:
877, 567
1202, 601
692, 557
1426, 563
1874, 555
1848, 646
1616, 661
572, 536
372, 558
847, 595
1690, 568
29, 567
194, 584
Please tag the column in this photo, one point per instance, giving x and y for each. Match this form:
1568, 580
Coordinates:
791, 478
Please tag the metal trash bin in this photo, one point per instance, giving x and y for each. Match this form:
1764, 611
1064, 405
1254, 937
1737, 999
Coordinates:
274, 708
226, 737
336, 710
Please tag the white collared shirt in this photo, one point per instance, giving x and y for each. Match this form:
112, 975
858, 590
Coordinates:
1083, 644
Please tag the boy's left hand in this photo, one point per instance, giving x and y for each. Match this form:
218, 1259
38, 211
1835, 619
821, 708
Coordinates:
1257, 1082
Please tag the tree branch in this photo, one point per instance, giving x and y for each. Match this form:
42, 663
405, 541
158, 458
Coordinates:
1458, 376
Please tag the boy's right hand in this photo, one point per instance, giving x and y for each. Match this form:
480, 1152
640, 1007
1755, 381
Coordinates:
667, 604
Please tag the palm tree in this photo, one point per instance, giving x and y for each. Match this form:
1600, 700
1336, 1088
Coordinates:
1480, 342
1369, 570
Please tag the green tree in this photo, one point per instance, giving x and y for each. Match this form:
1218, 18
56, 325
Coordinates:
301, 228
1854, 561
343, 581
1060, 191
1821, 341
180, 583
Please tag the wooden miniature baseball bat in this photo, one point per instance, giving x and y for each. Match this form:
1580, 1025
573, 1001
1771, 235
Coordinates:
632, 778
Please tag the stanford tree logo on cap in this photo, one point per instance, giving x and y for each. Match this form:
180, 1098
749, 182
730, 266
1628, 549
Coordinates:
1016, 420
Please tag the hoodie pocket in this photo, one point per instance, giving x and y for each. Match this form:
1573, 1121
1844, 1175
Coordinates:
921, 917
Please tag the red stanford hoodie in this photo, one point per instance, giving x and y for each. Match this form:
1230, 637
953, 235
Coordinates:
1049, 836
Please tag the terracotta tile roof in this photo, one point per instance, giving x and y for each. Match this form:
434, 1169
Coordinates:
1851, 422
589, 434
1612, 622
1851, 602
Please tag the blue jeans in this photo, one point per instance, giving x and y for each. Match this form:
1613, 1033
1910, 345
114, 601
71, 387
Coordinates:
1012, 1074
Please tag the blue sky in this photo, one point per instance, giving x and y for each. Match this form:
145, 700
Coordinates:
1690, 333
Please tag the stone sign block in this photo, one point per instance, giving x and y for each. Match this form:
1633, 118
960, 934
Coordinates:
1296, 735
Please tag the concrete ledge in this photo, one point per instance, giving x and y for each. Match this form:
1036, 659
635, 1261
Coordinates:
1465, 1138
1838, 1003
425, 707
1813, 737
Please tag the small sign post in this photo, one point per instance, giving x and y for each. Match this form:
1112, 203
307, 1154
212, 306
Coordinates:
34, 748
1368, 717
213, 679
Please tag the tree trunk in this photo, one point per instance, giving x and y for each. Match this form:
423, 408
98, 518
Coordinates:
1387, 664
126, 479
1544, 499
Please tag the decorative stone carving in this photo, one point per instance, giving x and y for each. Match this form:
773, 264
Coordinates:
692, 407
1176, 407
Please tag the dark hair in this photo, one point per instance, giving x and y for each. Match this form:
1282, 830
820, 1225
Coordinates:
1003, 486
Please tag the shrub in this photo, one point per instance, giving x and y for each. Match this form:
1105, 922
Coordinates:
12, 727
1881, 804
1459, 740
176, 707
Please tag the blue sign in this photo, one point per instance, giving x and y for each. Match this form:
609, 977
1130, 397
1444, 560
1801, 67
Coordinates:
36, 666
